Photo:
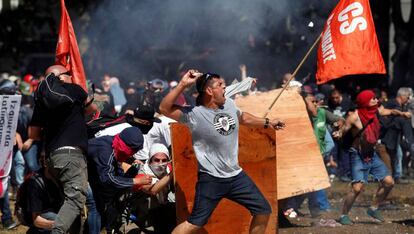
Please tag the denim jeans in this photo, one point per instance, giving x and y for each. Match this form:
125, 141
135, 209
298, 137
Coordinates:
344, 162
6, 213
69, 168
18, 169
317, 201
330, 144
397, 162
31, 157
361, 169
94, 218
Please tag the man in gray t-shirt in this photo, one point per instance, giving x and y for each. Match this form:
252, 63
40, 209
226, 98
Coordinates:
215, 135
214, 125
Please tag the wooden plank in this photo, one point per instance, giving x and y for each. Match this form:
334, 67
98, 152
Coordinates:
256, 157
300, 167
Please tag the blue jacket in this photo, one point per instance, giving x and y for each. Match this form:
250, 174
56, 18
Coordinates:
106, 176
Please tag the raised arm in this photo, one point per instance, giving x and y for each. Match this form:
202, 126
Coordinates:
167, 107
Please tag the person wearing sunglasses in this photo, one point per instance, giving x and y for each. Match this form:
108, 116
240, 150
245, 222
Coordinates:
214, 125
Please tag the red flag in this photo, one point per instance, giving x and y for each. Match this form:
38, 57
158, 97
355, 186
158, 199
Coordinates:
349, 43
67, 51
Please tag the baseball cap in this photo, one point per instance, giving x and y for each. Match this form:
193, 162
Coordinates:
146, 112
132, 137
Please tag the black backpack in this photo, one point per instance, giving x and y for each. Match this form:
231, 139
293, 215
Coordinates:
21, 210
52, 94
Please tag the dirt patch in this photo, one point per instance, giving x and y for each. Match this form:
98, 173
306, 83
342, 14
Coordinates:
398, 212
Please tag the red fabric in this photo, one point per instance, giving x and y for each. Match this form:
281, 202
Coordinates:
366, 113
122, 151
349, 43
67, 51
137, 187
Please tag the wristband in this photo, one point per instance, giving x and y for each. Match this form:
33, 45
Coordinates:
266, 125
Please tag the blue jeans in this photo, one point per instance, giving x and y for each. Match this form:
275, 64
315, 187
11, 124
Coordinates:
18, 169
31, 157
344, 162
397, 162
6, 213
330, 144
94, 218
317, 201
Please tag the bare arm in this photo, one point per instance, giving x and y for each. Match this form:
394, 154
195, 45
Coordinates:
313, 111
384, 111
19, 141
35, 133
156, 188
167, 107
254, 121
349, 123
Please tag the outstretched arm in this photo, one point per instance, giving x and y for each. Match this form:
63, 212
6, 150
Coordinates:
384, 111
254, 121
167, 107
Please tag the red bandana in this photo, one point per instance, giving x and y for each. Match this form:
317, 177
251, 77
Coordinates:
366, 113
121, 150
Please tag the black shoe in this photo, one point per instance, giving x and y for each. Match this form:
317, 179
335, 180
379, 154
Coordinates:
9, 224
401, 181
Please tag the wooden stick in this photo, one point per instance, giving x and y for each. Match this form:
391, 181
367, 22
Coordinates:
293, 75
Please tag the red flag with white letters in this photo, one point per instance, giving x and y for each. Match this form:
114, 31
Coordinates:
67, 51
349, 43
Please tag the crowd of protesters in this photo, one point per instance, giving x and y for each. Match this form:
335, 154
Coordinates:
125, 146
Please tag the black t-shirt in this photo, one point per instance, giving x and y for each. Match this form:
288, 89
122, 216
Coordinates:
43, 199
25, 114
63, 126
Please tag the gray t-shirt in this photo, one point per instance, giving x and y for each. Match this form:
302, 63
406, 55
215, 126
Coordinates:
215, 138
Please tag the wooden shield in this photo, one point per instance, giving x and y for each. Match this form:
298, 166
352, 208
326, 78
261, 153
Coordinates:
257, 158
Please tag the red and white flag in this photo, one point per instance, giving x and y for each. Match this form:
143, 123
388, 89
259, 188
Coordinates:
349, 43
67, 51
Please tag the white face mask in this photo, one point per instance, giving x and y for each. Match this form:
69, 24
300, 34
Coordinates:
159, 170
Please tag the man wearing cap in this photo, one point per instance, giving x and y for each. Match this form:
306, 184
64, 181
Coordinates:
66, 143
106, 176
214, 124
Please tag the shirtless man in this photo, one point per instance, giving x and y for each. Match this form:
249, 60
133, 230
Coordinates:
364, 127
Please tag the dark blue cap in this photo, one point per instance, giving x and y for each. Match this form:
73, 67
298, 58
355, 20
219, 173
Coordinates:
132, 137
